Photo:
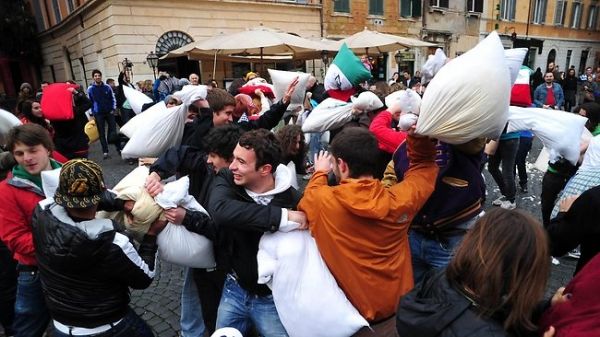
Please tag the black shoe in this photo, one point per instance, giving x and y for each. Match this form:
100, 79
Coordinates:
105, 156
524, 189
131, 161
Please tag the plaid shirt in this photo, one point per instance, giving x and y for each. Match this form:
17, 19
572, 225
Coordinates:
582, 181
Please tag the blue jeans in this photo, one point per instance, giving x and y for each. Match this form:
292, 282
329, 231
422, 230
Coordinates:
315, 145
430, 254
31, 314
131, 325
192, 324
238, 309
107, 118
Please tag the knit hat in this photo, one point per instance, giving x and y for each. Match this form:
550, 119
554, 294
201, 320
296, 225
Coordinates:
80, 184
25, 84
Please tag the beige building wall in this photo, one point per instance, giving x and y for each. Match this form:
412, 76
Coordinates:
103, 33
568, 44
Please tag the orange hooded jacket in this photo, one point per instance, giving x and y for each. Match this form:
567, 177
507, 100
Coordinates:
361, 230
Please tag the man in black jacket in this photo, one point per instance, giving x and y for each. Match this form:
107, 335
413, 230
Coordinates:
201, 166
86, 266
250, 198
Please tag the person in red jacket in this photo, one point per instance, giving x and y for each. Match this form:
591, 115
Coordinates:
20, 192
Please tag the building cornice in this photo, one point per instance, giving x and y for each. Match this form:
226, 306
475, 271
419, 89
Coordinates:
75, 15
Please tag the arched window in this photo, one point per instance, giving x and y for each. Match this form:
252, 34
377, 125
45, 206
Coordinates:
551, 57
171, 41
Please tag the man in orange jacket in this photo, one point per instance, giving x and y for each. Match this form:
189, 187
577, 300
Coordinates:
361, 227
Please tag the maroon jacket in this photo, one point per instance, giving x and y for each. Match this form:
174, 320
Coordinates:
578, 317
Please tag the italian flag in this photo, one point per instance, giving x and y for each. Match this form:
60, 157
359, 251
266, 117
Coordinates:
520, 94
346, 71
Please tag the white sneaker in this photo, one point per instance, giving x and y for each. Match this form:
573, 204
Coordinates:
499, 201
508, 205
555, 261
575, 253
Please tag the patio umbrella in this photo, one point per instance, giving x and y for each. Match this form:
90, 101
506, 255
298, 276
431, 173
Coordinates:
362, 41
257, 41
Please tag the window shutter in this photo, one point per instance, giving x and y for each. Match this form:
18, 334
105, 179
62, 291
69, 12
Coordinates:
416, 8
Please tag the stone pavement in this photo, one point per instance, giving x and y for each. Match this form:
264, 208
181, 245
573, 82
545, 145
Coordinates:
159, 304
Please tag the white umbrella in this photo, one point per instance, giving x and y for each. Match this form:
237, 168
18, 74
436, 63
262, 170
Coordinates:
257, 41
362, 41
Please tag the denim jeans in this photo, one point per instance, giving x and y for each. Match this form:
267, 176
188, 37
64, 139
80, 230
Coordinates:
238, 309
192, 324
430, 254
505, 154
101, 120
315, 145
131, 325
31, 313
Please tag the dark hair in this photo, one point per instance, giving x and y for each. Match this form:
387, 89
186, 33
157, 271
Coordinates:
26, 110
234, 87
96, 71
265, 146
221, 140
357, 147
502, 264
218, 99
287, 139
592, 110
30, 135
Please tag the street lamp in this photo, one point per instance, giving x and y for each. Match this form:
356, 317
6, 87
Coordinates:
152, 60
398, 58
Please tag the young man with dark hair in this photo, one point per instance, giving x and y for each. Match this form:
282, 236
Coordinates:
103, 106
250, 198
86, 266
361, 227
31, 146
201, 166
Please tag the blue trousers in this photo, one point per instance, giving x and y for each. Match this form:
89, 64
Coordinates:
238, 309
31, 313
101, 120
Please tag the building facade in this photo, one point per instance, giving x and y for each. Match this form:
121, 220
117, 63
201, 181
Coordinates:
560, 31
78, 36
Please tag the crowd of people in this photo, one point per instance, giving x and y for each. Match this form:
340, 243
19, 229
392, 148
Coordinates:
398, 217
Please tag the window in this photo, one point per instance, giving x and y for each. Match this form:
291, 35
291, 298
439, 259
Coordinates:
70, 5
410, 8
576, 15
438, 3
507, 10
569, 54
341, 6
539, 11
56, 9
39, 18
592, 18
560, 13
475, 6
375, 7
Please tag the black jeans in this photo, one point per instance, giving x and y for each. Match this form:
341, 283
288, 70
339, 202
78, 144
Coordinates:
552, 184
210, 287
570, 99
112, 137
8, 289
521, 159
505, 154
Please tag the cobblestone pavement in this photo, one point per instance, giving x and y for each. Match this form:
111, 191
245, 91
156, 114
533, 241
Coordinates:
159, 304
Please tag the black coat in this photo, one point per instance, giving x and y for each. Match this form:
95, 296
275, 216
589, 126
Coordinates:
86, 277
69, 136
436, 309
242, 222
578, 226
